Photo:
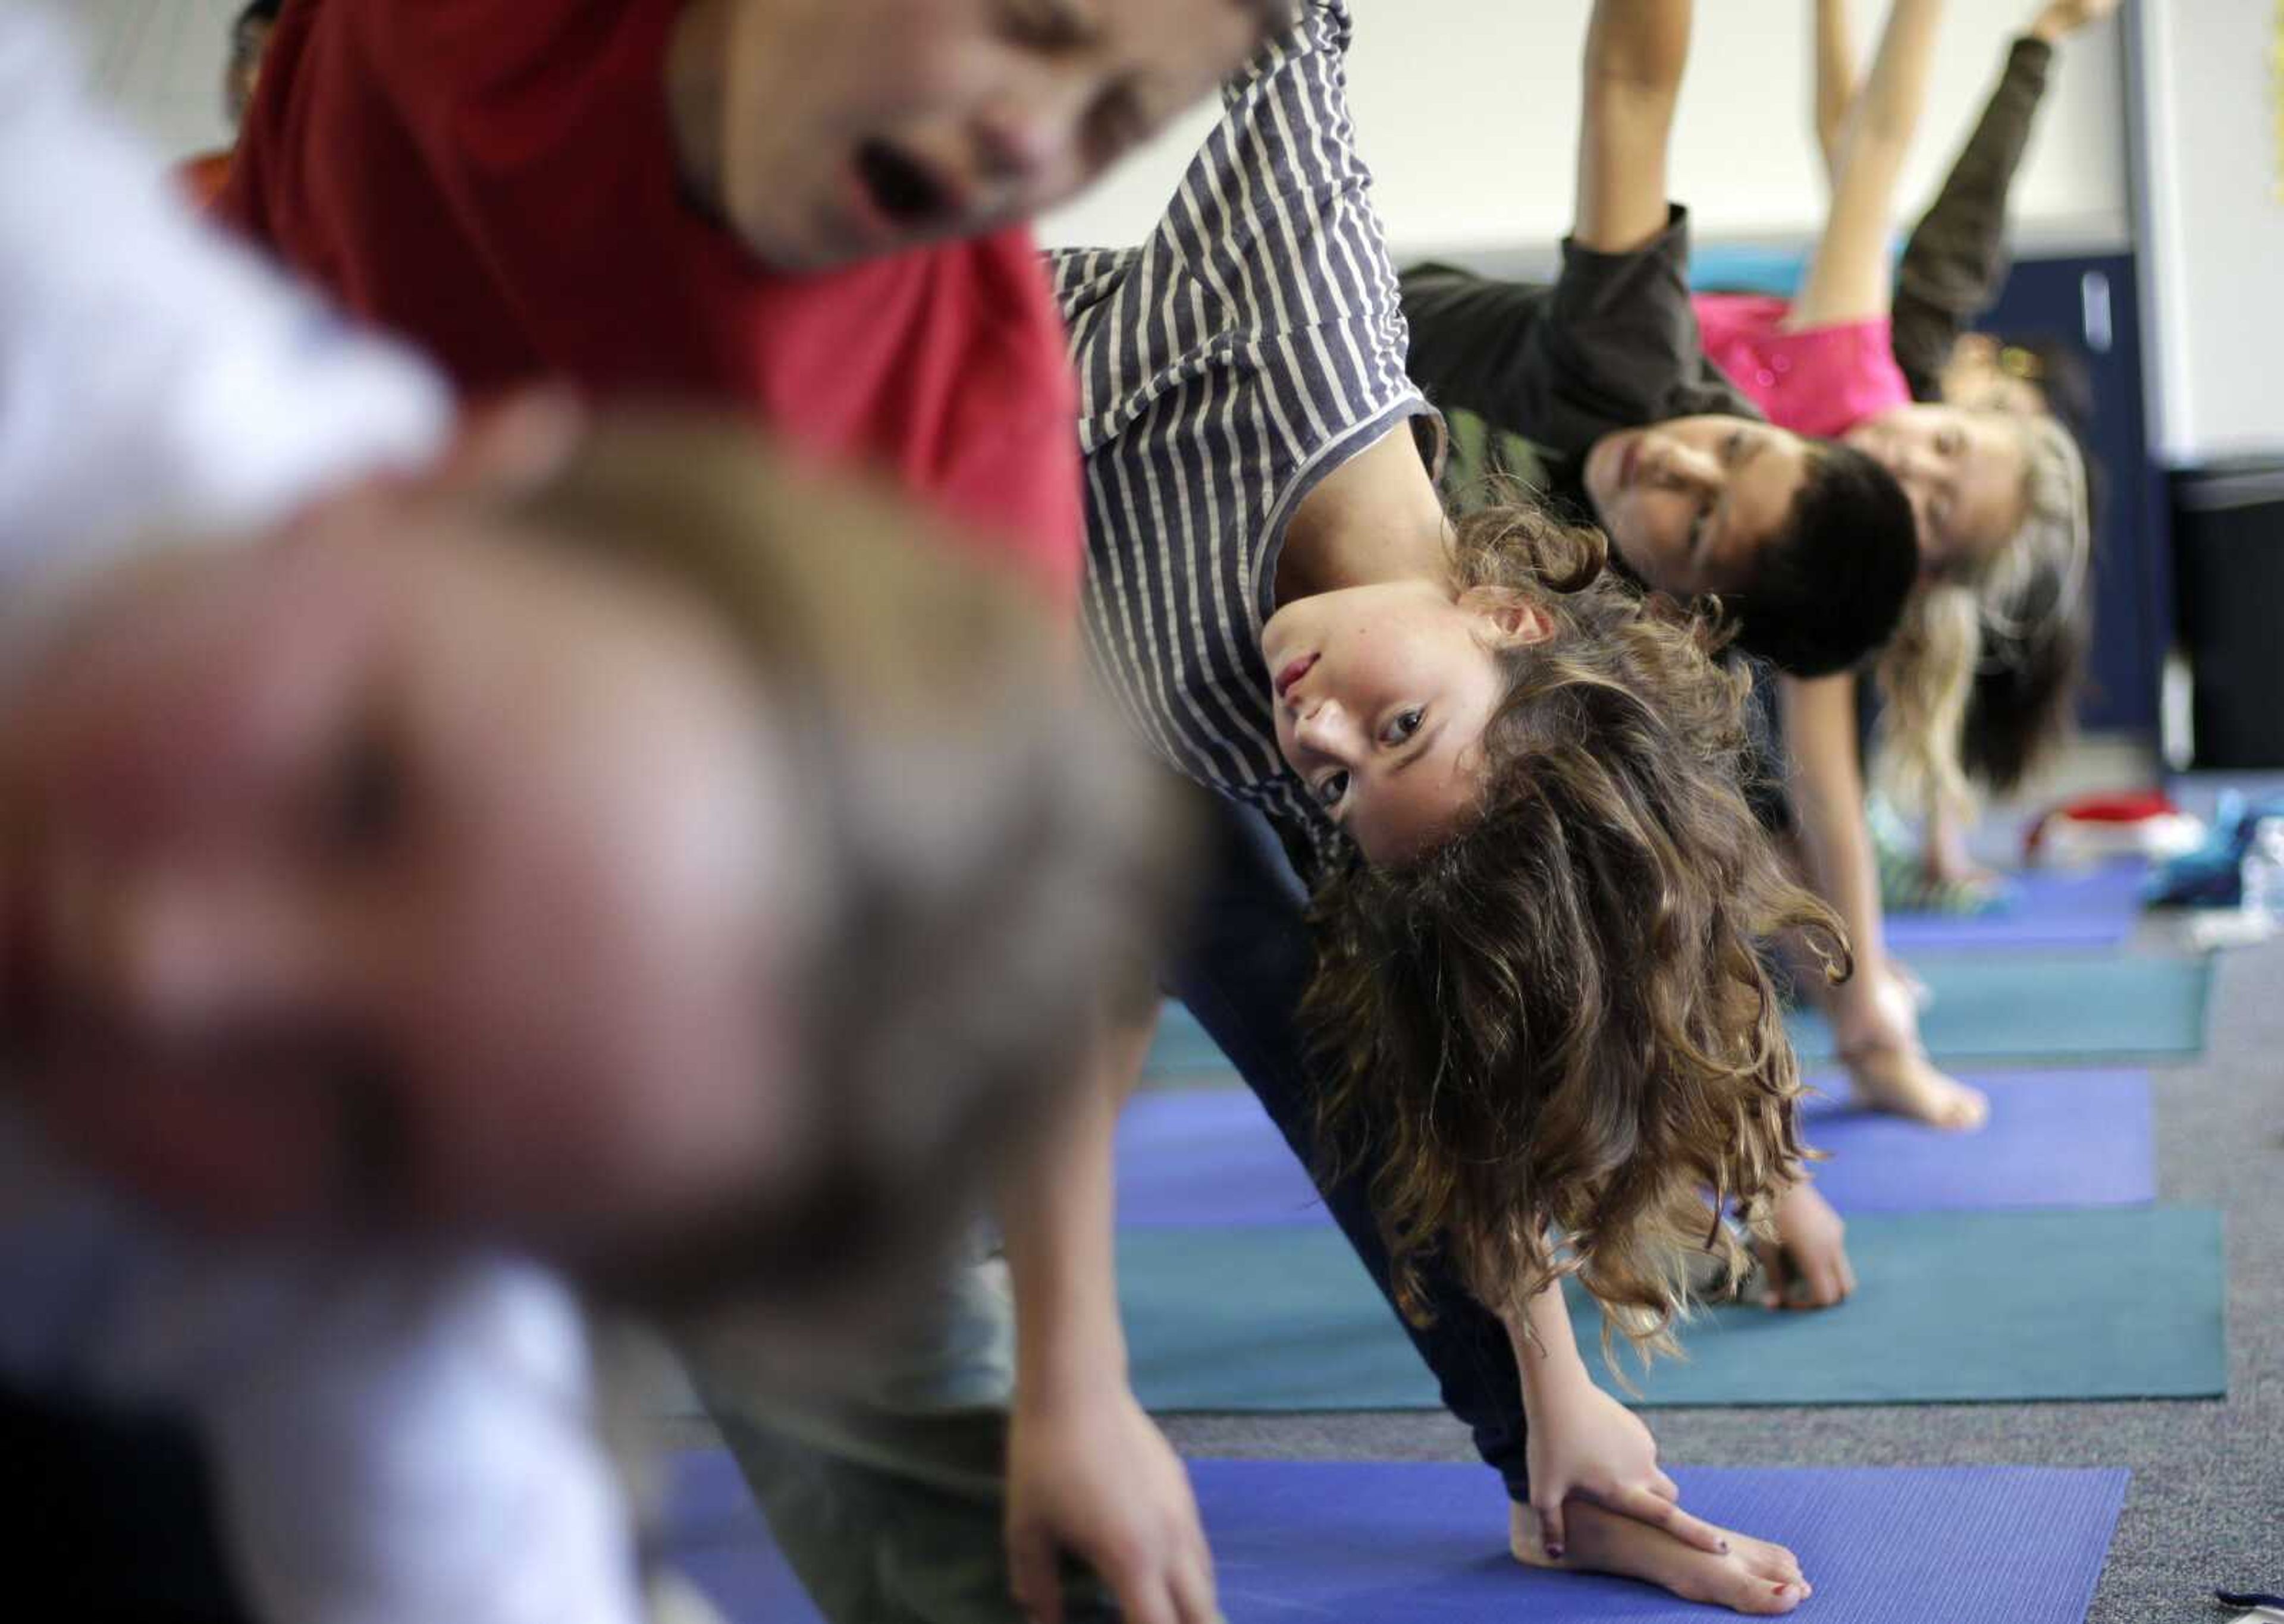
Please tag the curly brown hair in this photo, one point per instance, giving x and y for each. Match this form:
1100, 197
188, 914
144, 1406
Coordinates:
1559, 1023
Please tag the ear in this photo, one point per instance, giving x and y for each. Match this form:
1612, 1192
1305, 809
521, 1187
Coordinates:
1511, 619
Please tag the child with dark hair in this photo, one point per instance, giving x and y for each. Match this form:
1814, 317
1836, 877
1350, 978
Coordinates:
1513, 780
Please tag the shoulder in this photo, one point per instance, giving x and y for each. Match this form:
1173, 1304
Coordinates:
548, 64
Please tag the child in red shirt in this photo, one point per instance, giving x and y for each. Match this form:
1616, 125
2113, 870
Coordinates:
805, 209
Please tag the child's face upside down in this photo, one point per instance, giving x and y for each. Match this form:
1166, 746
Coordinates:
393, 867
1382, 695
1690, 501
825, 131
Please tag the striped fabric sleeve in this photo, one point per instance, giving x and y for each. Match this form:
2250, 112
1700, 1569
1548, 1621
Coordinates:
1250, 346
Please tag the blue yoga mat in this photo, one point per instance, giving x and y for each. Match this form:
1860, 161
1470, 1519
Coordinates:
2046, 909
2027, 1007
2019, 1008
2108, 1303
1390, 1544
1205, 1157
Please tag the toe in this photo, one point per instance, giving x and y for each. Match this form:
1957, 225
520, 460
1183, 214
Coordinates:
1772, 1565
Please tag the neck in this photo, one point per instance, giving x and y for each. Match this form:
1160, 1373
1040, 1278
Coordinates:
695, 51
1376, 517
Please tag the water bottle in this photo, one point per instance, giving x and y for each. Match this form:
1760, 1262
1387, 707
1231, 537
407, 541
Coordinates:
2262, 871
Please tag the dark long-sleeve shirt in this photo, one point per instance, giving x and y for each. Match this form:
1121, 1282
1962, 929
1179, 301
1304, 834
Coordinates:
1956, 259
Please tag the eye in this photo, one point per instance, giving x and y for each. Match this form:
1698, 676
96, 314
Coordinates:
1732, 445
1046, 26
1402, 725
1331, 789
1950, 442
1697, 529
362, 811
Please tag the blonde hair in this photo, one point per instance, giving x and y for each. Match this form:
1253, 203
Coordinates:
1559, 1021
1925, 674
990, 861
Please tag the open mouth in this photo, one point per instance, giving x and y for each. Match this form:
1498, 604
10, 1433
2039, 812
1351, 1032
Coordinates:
901, 188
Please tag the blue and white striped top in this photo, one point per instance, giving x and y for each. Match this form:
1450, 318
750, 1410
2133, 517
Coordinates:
1254, 344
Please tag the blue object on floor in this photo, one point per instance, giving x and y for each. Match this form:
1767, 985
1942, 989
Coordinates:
2212, 876
2107, 1303
2055, 1009
2049, 909
1208, 1156
1342, 1543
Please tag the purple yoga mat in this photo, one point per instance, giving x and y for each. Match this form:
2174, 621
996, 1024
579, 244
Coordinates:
1209, 1157
2062, 908
1391, 1544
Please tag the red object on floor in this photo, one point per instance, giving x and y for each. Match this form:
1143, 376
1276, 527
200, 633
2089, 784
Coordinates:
2116, 810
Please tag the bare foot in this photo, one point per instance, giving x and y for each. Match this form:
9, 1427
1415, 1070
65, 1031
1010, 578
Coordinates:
1752, 1577
1906, 1085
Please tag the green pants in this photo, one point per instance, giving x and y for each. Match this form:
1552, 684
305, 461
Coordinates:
887, 1495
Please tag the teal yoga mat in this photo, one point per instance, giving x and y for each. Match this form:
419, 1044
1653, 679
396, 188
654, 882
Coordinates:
1953, 1308
2015, 1008
2058, 1007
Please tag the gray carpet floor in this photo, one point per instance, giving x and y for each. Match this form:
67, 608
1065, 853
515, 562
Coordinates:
2206, 1508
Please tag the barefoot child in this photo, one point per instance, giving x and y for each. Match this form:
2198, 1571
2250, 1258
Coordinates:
1515, 785
1576, 387
807, 211
1999, 500
2033, 638
325, 1011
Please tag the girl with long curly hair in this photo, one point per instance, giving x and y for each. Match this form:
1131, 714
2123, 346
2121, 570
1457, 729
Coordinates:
1542, 1027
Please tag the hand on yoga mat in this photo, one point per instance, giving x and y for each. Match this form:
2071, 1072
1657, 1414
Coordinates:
1585, 1445
1092, 1475
1806, 1265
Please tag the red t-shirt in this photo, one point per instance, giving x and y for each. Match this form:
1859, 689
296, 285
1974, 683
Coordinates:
494, 180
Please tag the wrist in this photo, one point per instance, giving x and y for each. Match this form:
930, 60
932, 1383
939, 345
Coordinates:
1073, 1365
1551, 1373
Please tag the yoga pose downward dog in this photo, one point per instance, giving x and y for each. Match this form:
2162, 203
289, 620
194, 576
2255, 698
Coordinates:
1540, 1028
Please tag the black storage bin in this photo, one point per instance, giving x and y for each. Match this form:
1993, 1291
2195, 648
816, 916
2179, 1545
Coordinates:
2228, 563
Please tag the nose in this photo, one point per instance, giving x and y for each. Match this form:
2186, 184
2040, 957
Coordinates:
1321, 726
1684, 468
1021, 137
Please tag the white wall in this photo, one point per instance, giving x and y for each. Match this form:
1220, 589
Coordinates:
2215, 221
162, 61
1468, 111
